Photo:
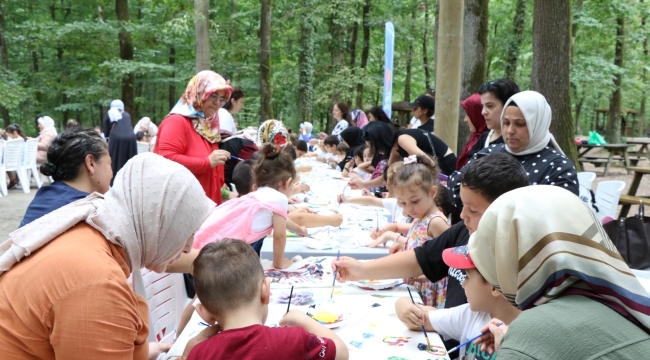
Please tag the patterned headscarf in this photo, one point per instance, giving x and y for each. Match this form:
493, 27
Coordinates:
154, 206
537, 113
272, 131
533, 259
197, 92
473, 108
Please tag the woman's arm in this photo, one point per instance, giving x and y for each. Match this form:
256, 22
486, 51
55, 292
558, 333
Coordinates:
409, 145
362, 200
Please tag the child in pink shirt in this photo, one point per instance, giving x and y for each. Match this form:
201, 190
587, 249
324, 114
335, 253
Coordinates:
253, 216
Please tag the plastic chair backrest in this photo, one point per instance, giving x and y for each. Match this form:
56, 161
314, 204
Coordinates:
3, 143
163, 293
14, 154
607, 195
142, 147
31, 148
586, 179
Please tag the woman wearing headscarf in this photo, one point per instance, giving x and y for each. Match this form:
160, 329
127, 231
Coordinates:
272, 131
580, 299
46, 135
477, 125
147, 126
525, 124
122, 144
190, 136
305, 131
353, 136
77, 259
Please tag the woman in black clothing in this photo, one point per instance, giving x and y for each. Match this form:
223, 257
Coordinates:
415, 141
122, 145
353, 136
379, 137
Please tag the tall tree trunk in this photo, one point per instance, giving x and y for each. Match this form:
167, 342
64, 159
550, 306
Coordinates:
266, 91
512, 54
550, 71
234, 36
448, 70
201, 25
644, 75
409, 61
337, 50
172, 86
364, 52
577, 99
425, 52
475, 31
307, 59
126, 53
435, 44
614, 123
352, 49
5, 62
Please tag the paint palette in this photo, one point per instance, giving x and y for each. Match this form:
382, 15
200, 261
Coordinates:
328, 315
376, 284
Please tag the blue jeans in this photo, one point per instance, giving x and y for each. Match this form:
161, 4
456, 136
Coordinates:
257, 246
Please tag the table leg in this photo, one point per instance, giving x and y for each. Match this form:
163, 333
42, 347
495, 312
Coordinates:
634, 186
609, 161
626, 156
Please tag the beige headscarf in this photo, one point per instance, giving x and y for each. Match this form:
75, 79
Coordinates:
154, 206
540, 242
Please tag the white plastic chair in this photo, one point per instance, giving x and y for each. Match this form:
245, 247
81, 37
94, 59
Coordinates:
13, 161
4, 179
143, 147
607, 195
166, 297
29, 161
585, 181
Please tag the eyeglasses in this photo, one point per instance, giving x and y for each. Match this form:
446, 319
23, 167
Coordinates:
216, 97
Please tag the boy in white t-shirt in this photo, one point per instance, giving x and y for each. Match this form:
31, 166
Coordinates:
328, 149
466, 321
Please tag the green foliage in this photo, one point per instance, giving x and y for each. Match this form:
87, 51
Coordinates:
64, 55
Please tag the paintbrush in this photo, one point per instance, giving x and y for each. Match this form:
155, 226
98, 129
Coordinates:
471, 340
377, 225
236, 158
343, 193
334, 280
290, 295
423, 329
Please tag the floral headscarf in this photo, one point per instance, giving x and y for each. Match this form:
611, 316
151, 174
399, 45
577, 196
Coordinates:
272, 131
197, 92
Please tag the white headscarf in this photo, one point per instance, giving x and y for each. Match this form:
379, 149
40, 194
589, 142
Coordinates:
48, 124
115, 112
152, 129
537, 113
154, 206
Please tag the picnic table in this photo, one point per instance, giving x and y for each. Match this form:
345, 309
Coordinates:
617, 152
631, 199
642, 152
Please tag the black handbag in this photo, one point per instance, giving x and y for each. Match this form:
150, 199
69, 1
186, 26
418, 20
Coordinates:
631, 236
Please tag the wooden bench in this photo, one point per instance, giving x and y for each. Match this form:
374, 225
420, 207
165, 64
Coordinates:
632, 200
599, 160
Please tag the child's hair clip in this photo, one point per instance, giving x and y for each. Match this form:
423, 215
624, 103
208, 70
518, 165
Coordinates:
412, 159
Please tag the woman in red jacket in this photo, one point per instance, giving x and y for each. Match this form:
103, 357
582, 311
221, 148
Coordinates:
189, 135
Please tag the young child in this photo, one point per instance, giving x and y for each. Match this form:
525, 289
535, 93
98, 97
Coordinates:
301, 148
240, 312
242, 177
415, 187
463, 322
339, 160
253, 216
359, 165
329, 148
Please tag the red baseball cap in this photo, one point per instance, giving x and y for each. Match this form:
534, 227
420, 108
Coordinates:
458, 258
